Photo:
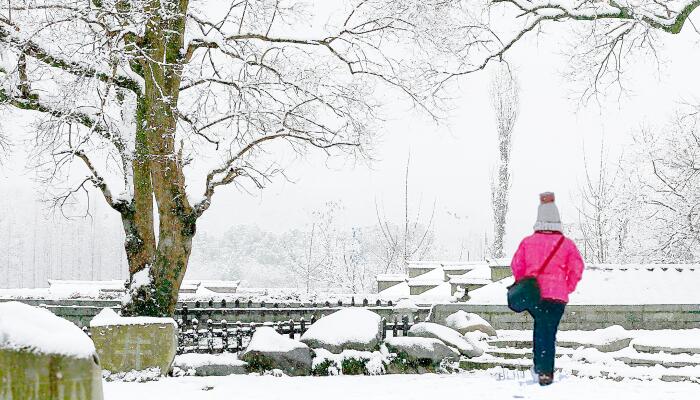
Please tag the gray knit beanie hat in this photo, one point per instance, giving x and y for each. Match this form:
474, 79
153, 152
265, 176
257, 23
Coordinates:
548, 214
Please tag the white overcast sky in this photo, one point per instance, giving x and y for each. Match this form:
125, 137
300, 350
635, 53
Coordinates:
451, 162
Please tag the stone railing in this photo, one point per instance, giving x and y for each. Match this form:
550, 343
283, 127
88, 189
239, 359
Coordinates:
81, 311
584, 317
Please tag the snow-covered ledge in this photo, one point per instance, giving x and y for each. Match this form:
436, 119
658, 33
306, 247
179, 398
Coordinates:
134, 343
43, 356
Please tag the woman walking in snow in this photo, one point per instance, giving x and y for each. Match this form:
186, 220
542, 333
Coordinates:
547, 266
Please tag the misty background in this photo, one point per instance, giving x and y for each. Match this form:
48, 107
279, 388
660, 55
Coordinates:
263, 237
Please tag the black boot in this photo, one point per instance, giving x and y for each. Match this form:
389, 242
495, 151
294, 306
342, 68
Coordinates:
546, 379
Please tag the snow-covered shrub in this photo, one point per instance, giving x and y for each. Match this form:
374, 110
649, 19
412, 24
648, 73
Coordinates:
419, 355
349, 362
402, 363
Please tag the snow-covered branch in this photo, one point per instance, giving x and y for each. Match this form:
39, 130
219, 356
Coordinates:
233, 168
32, 49
669, 16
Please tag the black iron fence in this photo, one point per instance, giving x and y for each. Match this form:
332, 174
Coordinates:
197, 336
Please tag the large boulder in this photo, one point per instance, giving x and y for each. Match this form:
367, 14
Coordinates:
211, 364
421, 348
464, 322
134, 343
448, 335
43, 356
349, 328
268, 350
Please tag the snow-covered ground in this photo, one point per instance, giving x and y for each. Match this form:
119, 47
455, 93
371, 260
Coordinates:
493, 384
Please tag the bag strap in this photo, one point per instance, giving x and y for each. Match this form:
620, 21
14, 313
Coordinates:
551, 255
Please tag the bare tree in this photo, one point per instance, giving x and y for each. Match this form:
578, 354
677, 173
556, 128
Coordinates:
331, 254
505, 103
137, 91
351, 267
308, 264
604, 214
665, 170
412, 240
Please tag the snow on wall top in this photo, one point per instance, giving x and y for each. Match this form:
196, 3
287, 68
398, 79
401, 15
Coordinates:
462, 279
433, 277
391, 277
500, 262
469, 265
109, 317
605, 286
24, 327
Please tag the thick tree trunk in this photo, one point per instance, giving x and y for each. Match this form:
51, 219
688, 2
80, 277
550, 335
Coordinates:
137, 217
158, 117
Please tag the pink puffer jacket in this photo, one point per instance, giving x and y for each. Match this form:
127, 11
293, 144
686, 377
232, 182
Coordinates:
560, 276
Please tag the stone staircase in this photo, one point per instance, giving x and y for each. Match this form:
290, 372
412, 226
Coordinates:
616, 360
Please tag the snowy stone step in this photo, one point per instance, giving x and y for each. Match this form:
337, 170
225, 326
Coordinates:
525, 365
488, 363
515, 353
527, 344
650, 362
511, 343
607, 347
510, 354
665, 349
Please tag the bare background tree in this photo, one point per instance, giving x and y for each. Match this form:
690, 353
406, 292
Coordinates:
665, 169
310, 251
505, 102
604, 212
410, 240
648, 208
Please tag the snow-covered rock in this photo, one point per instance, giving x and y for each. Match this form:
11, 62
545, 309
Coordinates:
346, 329
43, 356
448, 335
421, 348
38, 330
134, 343
464, 322
269, 350
211, 364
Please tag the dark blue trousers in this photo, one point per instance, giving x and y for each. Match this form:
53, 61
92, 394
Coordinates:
547, 314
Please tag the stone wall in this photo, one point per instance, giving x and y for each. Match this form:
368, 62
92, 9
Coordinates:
382, 285
499, 272
585, 317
